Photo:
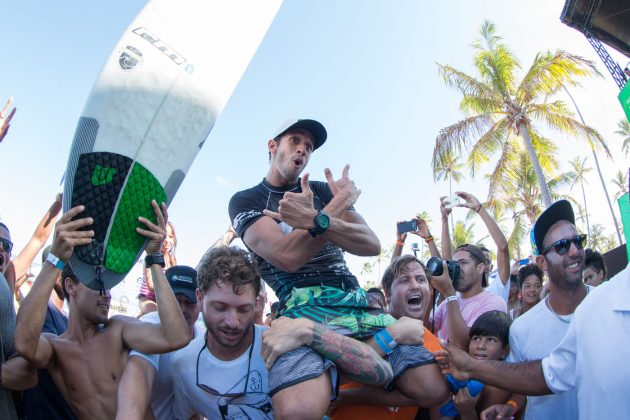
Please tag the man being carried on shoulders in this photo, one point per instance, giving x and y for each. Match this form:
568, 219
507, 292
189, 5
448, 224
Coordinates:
298, 230
86, 361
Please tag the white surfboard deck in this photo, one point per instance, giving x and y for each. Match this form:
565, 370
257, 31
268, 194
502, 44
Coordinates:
150, 110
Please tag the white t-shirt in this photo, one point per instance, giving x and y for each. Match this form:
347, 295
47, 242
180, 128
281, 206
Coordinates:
532, 337
496, 286
225, 377
162, 396
592, 356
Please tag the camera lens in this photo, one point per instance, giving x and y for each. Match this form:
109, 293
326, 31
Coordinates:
434, 266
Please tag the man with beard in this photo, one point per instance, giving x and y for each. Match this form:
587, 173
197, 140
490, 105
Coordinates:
146, 383
534, 334
86, 362
298, 230
408, 295
588, 360
222, 373
457, 313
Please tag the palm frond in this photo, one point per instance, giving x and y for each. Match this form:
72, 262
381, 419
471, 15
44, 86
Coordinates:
556, 116
550, 72
460, 136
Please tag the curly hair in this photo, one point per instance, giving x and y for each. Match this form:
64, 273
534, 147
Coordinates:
228, 265
528, 270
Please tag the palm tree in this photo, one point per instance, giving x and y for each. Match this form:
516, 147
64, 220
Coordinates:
518, 193
500, 110
463, 234
597, 237
624, 131
621, 181
577, 174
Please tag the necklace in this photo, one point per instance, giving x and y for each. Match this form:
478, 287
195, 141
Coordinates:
565, 318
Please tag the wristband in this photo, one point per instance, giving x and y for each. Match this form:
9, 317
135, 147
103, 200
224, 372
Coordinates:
512, 404
382, 345
429, 239
450, 298
399, 242
387, 339
54, 260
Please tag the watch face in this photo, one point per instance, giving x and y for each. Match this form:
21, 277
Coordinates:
323, 221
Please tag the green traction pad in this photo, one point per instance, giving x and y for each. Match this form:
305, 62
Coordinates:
124, 243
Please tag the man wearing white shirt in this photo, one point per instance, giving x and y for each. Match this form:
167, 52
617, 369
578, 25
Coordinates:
589, 358
146, 381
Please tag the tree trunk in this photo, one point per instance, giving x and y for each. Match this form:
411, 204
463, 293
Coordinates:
588, 226
450, 194
599, 171
542, 182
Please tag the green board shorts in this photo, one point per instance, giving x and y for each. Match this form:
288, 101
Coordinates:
347, 313
342, 311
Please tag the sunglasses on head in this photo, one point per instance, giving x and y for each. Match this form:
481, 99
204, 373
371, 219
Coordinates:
7, 245
563, 245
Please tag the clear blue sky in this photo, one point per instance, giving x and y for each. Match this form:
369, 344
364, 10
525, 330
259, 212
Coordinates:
364, 68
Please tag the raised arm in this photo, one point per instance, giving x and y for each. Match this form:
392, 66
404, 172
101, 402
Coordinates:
503, 252
5, 120
424, 232
172, 333
400, 242
29, 341
19, 266
445, 238
457, 329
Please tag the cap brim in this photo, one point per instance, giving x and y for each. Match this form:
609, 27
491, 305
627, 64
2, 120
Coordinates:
190, 294
560, 210
317, 130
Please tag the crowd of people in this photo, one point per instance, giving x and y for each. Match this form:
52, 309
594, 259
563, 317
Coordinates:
451, 337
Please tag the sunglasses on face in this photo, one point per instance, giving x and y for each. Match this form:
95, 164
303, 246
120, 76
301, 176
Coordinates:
563, 245
7, 245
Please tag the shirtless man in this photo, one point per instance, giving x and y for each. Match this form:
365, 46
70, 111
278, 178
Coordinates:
86, 361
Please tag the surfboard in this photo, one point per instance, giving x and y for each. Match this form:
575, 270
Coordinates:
147, 116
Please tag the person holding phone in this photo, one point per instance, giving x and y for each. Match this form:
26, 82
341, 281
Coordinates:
419, 227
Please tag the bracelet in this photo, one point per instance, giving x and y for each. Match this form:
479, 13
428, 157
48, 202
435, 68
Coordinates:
399, 242
450, 298
512, 404
54, 260
428, 239
479, 208
382, 344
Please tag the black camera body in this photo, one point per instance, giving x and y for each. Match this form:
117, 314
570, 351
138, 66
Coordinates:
435, 268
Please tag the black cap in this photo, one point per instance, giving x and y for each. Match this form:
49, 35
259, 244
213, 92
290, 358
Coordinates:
316, 129
560, 210
183, 279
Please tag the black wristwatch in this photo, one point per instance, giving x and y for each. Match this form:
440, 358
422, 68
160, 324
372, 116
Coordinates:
151, 259
322, 223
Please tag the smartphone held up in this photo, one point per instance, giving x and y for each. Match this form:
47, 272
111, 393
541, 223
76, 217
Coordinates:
452, 201
409, 226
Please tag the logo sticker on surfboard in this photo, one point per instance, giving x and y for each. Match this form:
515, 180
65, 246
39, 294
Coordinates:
129, 58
